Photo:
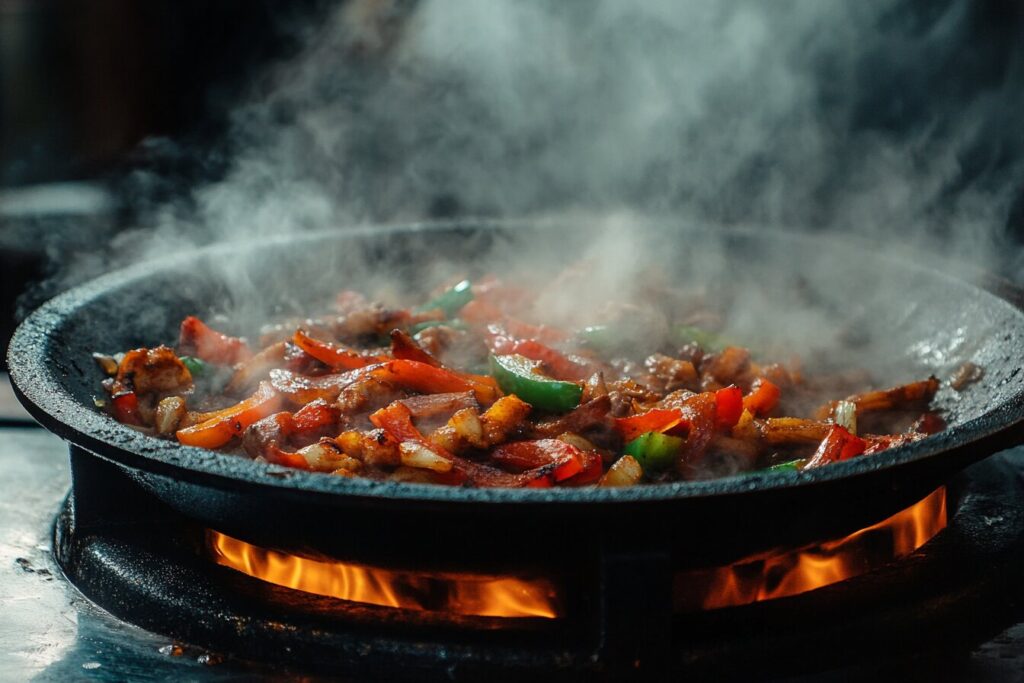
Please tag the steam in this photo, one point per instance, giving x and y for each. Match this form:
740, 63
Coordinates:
877, 119
891, 122
782, 114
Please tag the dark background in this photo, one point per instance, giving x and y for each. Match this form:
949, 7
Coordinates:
94, 91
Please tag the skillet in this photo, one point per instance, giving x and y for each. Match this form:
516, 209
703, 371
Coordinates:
909, 318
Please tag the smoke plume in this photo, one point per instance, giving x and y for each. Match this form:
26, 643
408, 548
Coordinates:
891, 121
880, 118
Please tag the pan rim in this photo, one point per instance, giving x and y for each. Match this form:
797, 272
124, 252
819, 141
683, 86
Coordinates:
50, 403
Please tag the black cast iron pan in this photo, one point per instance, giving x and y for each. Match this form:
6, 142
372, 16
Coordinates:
909, 320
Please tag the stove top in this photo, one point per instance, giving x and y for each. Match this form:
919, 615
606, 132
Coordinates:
51, 632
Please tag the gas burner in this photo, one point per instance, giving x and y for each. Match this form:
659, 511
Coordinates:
904, 585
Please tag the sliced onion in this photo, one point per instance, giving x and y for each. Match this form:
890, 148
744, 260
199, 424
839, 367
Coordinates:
625, 472
169, 413
417, 455
845, 415
323, 456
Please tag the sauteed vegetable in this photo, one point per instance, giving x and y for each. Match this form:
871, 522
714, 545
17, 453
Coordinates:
465, 389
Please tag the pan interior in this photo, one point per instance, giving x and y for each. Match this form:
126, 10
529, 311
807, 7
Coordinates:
834, 304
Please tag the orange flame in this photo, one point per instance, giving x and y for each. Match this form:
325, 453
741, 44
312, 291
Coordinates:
464, 594
781, 573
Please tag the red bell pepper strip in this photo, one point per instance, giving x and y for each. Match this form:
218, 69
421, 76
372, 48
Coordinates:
126, 408
557, 364
764, 396
699, 412
838, 444
728, 407
404, 347
223, 425
877, 444
655, 420
297, 360
502, 343
593, 469
480, 313
333, 355
396, 420
202, 341
428, 379
476, 474
928, 423
286, 458
564, 459
301, 389
315, 415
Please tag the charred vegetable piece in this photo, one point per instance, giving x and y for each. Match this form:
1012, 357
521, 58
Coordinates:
792, 430
428, 379
655, 451
315, 416
520, 376
153, 371
565, 460
396, 420
451, 300
200, 340
900, 397
838, 445
301, 389
656, 420
224, 425
333, 355
405, 347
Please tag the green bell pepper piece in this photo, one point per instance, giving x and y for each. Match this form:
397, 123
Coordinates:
518, 375
655, 451
791, 466
707, 340
419, 327
603, 338
196, 367
450, 301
